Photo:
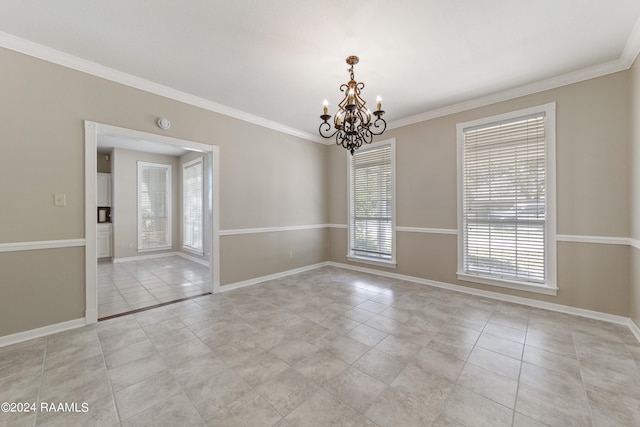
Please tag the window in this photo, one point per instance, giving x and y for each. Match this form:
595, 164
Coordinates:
506, 191
192, 225
154, 206
372, 203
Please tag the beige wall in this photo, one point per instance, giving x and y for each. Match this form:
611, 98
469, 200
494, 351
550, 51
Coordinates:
267, 179
592, 191
262, 254
634, 114
271, 179
104, 165
40, 287
279, 183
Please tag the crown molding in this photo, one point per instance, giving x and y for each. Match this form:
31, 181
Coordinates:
624, 62
632, 47
547, 84
55, 56
628, 56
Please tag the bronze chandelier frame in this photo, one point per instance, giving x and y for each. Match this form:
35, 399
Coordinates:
352, 125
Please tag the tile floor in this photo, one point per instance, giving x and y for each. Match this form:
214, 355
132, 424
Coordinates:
131, 285
331, 347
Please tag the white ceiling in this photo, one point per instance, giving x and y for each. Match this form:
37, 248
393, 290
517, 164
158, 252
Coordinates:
278, 60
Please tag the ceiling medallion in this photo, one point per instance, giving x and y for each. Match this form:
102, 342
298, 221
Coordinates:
352, 121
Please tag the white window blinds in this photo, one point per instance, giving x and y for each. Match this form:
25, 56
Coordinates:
192, 227
154, 206
371, 216
504, 200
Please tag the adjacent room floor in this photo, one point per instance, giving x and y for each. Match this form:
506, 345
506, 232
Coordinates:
331, 347
132, 285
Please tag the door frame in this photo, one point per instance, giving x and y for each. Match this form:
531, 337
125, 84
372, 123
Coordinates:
91, 132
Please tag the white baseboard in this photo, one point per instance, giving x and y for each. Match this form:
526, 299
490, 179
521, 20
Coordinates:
41, 332
194, 259
91, 316
162, 255
494, 295
143, 257
274, 276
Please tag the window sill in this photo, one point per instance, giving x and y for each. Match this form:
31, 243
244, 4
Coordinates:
370, 261
520, 286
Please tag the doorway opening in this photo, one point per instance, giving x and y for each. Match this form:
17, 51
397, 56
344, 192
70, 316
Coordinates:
123, 260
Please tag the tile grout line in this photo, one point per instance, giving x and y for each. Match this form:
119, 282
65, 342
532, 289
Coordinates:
351, 365
44, 360
169, 369
515, 400
104, 361
466, 362
584, 386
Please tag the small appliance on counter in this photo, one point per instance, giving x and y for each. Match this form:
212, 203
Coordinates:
104, 214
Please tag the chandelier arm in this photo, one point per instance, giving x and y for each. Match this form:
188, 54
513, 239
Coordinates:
325, 129
378, 126
367, 136
340, 138
359, 139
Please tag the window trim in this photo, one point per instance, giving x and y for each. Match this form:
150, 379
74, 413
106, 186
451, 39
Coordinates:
187, 248
550, 287
350, 253
169, 245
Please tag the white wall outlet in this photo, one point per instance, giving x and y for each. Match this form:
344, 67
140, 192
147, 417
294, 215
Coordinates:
60, 199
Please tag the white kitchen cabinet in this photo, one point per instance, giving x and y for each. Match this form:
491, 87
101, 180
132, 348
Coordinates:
104, 189
103, 241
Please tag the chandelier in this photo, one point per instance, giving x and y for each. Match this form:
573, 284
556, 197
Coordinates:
352, 124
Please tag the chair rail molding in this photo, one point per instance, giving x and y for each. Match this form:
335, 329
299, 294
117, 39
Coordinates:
43, 244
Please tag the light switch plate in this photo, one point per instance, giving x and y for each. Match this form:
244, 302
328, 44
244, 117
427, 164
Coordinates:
60, 199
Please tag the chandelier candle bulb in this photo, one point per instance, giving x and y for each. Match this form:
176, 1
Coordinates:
325, 105
379, 105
